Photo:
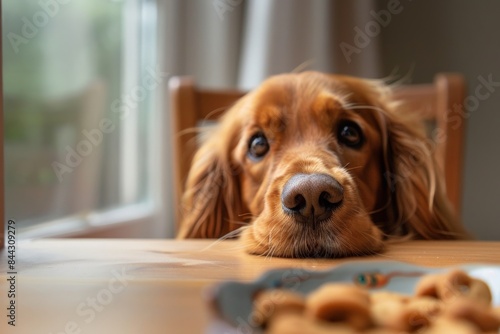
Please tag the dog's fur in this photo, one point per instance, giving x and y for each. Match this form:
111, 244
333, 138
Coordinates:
347, 129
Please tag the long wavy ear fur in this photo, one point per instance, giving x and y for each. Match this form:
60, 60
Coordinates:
418, 205
211, 202
421, 208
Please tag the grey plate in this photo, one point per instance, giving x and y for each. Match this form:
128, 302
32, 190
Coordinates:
233, 300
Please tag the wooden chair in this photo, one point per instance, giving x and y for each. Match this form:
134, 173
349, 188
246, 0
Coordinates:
437, 100
441, 104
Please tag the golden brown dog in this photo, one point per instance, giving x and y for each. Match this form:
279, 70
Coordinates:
310, 165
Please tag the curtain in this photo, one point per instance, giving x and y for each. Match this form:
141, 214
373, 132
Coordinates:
237, 43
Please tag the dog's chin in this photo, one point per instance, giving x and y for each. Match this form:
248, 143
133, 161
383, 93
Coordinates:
284, 237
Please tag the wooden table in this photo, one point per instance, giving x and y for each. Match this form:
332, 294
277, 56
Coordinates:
157, 286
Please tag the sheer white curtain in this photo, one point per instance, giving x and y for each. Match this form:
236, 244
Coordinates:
237, 43
279, 36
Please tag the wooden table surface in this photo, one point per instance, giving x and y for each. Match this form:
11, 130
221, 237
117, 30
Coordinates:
158, 286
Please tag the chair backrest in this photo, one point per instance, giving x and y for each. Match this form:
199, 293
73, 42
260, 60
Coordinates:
437, 101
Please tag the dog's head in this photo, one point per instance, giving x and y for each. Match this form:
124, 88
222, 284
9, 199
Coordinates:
312, 164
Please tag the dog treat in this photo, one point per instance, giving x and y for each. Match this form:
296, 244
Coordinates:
452, 326
452, 285
476, 313
270, 303
297, 324
340, 303
404, 314
450, 302
497, 311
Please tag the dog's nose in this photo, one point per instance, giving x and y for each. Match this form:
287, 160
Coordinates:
311, 197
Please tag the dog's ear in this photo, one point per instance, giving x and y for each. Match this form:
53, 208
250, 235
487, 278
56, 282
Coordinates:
420, 207
211, 202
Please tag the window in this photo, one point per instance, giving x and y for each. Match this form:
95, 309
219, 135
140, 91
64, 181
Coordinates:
81, 88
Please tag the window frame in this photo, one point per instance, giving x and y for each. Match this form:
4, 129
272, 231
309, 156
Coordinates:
134, 219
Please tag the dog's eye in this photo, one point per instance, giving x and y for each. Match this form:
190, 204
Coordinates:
258, 146
350, 134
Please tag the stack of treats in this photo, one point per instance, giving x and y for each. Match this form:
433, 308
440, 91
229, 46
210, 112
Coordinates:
450, 302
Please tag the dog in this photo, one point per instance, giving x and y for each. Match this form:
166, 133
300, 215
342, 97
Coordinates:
317, 165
